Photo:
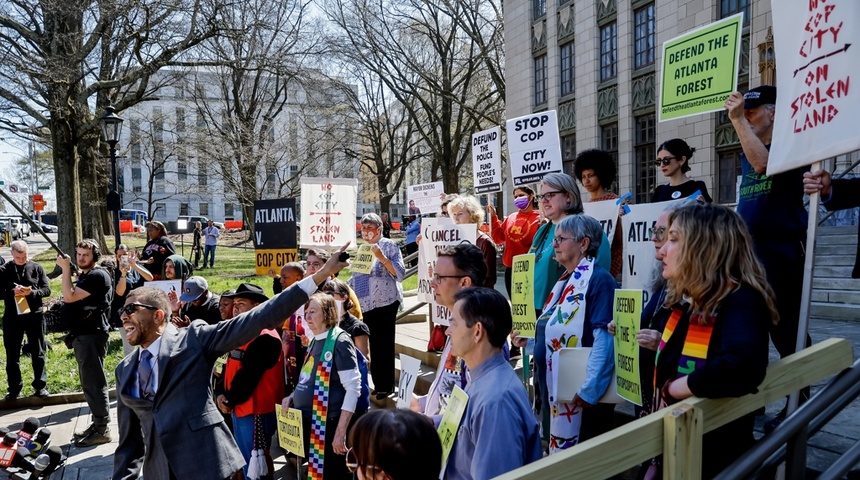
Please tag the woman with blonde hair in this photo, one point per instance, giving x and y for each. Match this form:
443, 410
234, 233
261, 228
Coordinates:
467, 209
715, 343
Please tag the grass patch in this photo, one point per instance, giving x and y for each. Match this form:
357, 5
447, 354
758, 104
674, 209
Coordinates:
234, 264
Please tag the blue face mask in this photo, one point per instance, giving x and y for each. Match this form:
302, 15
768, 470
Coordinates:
522, 202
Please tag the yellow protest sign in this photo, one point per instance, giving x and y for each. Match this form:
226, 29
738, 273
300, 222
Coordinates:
522, 294
290, 430
451, 421
363, 261
700, 69
271, 261
628, 311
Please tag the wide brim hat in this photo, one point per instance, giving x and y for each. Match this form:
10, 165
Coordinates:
249, 291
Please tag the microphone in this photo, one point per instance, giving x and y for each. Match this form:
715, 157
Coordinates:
31, 424
42, 462
56, 460
40, 442
8, 449
21, 461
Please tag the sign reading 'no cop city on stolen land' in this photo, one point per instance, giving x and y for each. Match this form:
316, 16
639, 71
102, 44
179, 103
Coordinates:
534, 147
700, 69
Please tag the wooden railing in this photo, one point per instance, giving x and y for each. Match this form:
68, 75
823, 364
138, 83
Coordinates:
676, 431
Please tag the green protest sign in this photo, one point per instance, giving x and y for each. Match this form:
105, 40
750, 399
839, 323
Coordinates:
700, 69
628, 311
450, 422
522, 295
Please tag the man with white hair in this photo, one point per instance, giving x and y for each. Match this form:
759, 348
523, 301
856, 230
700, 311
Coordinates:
24, 284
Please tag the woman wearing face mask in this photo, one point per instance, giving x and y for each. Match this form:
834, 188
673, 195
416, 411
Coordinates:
673, 160
356, 329
380, 294
517, 230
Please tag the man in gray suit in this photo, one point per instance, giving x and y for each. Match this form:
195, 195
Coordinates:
168, 422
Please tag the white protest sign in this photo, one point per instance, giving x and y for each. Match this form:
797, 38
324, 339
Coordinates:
409, 368
434, 237
605, 212
639, 252
426, 196
486, 160
816, 112
328, 211
534, 146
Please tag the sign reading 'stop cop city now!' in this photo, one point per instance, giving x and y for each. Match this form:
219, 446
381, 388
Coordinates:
274, 234
534, 147
700, 69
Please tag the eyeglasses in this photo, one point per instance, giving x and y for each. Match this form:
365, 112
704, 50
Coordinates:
335, 294
132, 307
664, 161
547, 196
352, 462
556, 241
437, 277
369, 228
315, 264
657, 233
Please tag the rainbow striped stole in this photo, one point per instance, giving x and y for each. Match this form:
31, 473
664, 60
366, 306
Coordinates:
319, 414
695, 351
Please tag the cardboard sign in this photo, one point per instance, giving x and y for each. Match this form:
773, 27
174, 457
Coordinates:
605, 212
816, 111
627, 314
700, 69
274, 235
409, 369
363, 260
427, 196
290, 430
487, 160
522, 294
534, 146
451, 422
435, 236
328, 211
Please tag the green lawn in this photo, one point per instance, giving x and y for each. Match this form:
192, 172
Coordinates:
233, 265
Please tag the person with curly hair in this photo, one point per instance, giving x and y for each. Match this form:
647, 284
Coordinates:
596, 170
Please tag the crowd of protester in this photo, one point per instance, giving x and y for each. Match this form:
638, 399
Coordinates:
726, 283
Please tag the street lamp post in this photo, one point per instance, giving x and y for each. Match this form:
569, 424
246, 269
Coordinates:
111, 128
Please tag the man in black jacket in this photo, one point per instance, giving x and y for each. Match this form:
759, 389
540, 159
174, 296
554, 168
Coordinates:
24, 284
198, 303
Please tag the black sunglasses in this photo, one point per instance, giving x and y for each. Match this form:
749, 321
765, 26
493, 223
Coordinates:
132, 307
664, 161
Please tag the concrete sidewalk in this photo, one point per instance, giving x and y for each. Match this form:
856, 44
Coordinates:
96, 463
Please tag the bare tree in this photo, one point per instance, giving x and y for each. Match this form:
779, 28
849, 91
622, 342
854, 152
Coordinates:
434, 68
37, 171
252, 86
63, 61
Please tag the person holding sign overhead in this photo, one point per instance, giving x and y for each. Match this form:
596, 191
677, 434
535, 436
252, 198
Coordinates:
576, 315
518, 230
673, 160
715, 343
595, 169
380, 293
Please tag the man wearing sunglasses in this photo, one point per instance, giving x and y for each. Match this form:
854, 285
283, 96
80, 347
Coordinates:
168, 421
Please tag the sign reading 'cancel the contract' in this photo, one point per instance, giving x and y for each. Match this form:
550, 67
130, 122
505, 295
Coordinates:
534, 147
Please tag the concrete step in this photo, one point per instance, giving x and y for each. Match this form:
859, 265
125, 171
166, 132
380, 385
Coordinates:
824, 231
838, 238
835, 260
832, 271
411, 339
835, 311
836, 296
829, 283
842, 249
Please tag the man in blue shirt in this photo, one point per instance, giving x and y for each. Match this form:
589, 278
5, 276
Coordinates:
498, 432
